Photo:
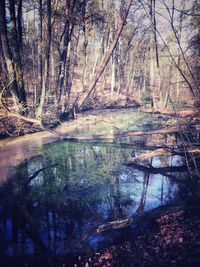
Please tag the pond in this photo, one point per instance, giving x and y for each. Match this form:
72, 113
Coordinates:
55, 201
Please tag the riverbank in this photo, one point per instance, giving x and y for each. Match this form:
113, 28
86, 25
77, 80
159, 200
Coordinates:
12, 127
173, 240
170, 239
23, 147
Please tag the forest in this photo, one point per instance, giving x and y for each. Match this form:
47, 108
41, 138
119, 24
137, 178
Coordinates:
63, 57
99, 133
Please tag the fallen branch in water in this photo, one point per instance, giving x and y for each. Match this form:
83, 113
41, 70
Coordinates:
122, 134
163, 152
155, 170
182, 113
34, 121
21, 117
165, 171
149, 215
188, 112
32, 177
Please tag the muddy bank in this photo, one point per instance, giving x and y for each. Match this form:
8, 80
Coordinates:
14, 150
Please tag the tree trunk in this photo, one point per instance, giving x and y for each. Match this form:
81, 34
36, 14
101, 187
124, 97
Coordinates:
16, 55
19, 24
45, 79
106, 59
40, 44
13, 61
152, 57
64, 43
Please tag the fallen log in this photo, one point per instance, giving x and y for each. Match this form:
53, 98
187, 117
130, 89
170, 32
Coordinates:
165, 171
152, 154
163, 152
151, 215
122, 134
181, 113
118, 224
159, 170
189, 112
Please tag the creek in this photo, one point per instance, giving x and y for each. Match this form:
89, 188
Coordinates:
81, 185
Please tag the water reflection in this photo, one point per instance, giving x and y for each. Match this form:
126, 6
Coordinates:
55, 201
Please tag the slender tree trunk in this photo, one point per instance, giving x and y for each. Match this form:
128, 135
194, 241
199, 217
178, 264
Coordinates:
40, 50
112, 76
158, 73
153, 48
13, 62
45, 79
63, 61
2, 62
179, 56
16, 54
64, 43
85, 44
48, 52
19, 24
152, 73
106, 59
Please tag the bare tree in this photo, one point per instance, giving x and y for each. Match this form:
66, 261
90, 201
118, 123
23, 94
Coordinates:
12, 59
45, 78
107, 57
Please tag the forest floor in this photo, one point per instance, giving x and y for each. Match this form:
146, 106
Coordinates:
173, 240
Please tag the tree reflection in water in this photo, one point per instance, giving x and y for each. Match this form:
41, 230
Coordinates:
81, 186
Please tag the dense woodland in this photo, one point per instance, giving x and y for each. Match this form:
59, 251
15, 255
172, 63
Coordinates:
58, 58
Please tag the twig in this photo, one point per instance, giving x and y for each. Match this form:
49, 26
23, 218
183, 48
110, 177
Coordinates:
32, 177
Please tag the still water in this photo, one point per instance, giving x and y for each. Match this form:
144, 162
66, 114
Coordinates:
55, 201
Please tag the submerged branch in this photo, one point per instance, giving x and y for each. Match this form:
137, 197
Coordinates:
122, 134
165, 171
149, 215
33, 176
